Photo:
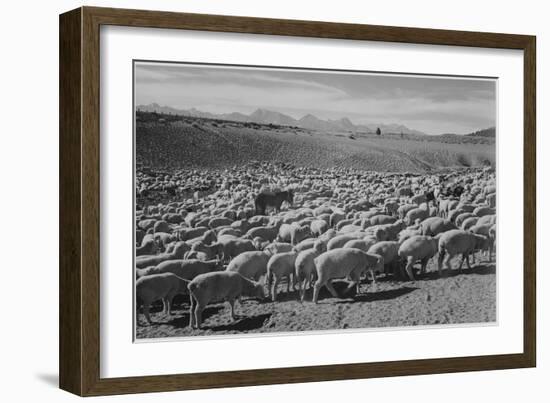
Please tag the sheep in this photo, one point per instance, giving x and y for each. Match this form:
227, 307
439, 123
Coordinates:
340, 240
278, 247
420, 247
469, 222
190, 233
380, 219
268, 233
435, 225
418, 199
408, 233
404, 209
388, 250
304, 267
393, 229
177, 253
485, 230
219, 286
336, 217
193, 254
391, 207
341, 263
252, 265
164, 286
161, 226
298, 234
306, 244
483, 211
279, 266
363, 244
217, 222
456, 242
150, 247
184, 268
419, 213
284, 233
231, 247
462, 217
327, 236
229, 231
454, 214
211, 251
487, 219
318, 227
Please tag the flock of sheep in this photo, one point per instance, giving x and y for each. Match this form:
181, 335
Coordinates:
262, 226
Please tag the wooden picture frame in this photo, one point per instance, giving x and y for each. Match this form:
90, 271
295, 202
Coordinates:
79, 347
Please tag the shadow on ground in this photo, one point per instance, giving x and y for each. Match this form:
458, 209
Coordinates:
244, 324
382, 295
481, 269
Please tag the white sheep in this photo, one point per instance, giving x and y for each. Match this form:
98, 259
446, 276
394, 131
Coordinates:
231, 247
216, 287
340, 263
389, 252
279, 266
184, 268
435, 225
456, 242
164, 286
318, 227
304, 266
252, 265
177, 253
363, 244
419, 247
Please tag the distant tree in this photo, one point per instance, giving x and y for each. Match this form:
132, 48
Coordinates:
378, 131
401, 134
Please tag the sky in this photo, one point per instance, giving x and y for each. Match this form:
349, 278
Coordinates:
434, 105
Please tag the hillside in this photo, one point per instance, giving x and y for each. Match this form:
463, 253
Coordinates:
264, 116
173, 141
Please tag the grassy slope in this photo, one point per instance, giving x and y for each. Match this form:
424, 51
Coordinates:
205, 143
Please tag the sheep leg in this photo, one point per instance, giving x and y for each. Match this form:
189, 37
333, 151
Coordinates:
288, 284
316, 289
232, 308
462, 261
274, 289
440, 259
198, 314
331, 289
146, 312
409, 267
164, 304
448, 261
373, 277
192, 311
424, 263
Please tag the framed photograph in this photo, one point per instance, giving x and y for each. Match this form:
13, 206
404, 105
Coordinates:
249, 201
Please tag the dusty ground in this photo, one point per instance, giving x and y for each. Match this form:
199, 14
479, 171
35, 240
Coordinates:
466, 297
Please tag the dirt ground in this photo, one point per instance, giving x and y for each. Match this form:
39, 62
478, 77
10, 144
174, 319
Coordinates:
457, 297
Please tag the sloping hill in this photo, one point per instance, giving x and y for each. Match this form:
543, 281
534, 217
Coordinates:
197, 142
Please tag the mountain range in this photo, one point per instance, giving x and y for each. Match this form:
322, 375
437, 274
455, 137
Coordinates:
265, 116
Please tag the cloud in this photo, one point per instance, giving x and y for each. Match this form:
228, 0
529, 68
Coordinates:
433, 105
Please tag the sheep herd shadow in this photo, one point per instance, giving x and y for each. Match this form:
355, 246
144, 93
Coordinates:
243, 324
480, 269
372, 296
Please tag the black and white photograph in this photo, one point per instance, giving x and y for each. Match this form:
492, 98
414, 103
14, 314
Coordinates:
282, 200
